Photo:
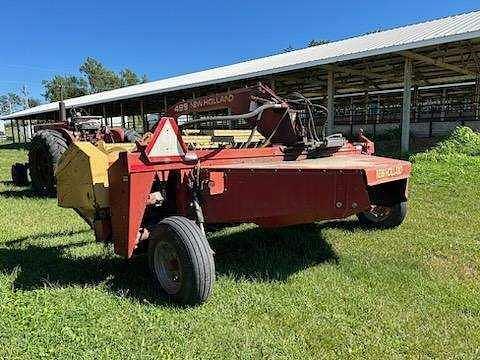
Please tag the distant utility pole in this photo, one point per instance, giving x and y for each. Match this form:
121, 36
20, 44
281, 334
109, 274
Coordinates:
25, 96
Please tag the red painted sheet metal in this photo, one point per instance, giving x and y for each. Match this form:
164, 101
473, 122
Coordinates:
138, 163
128, 197
119, 193
251, 185
376, 169
286, 196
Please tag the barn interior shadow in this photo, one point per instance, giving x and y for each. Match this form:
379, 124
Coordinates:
20, 193
14, 146
254, 254
17, 191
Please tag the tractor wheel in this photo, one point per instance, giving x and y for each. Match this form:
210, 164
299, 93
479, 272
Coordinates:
181, 261
383, 217
131, 136
46, 148
20, 174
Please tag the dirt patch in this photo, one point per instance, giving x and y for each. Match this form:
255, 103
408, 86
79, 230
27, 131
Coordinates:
452, 265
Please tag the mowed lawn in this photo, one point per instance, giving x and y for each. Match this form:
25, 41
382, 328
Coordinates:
317, 291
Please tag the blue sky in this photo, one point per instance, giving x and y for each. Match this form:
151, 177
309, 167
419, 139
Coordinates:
165, 38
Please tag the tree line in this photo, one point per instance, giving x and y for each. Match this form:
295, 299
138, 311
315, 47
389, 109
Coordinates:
94, 77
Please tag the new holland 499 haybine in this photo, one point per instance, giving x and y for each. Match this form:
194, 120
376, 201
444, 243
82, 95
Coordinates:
159, 196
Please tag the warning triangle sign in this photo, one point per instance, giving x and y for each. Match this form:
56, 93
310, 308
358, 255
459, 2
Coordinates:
166, 143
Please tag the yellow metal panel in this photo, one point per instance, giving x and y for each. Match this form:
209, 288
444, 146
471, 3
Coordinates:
82, 179
227, 132
213, 138
115, 147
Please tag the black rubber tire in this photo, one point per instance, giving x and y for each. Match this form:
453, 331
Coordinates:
194, 255
19, 174
131, 136
398, 213
46, 148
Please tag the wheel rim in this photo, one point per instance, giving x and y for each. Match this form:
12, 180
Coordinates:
378, 213
167, 268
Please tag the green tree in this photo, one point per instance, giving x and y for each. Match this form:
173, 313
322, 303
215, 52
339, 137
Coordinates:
65, 87
99, 77
95, 78
288, 48
315, 42
12, 102
374, 31
32, 102
102, 79
128, 78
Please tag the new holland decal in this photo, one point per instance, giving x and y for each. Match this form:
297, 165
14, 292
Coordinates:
389, 172
204, 102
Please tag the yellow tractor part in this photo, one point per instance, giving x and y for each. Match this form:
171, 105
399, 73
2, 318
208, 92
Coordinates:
82, 176
113, 149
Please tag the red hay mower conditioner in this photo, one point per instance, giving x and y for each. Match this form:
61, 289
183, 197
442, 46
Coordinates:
159, 197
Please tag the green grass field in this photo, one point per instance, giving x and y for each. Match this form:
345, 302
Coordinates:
317, 291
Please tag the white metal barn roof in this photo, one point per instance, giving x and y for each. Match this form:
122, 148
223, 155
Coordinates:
435, 32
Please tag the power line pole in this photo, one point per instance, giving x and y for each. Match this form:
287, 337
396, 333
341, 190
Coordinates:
10, 106
25, 96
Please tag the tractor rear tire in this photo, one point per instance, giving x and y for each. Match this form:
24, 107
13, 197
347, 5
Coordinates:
181, 261
46, 148
384, 217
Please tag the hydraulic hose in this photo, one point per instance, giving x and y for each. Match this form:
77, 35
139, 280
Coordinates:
230, 118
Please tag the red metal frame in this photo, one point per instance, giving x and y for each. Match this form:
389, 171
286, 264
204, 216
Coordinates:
248, 185
240, 101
